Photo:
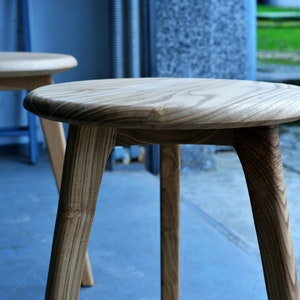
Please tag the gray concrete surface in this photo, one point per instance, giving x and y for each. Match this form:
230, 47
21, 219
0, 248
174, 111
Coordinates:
219, 253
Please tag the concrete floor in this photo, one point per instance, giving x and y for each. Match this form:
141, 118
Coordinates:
219, 254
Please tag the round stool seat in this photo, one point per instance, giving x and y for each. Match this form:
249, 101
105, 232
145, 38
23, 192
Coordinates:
169, 112
167, 103
14, 64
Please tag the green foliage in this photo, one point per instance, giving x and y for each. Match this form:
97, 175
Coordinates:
285, 39
270, 8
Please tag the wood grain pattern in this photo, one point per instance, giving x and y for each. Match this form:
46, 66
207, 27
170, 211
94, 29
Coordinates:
127, 137
167, 103
85, 160
259, 152
169, 220
22, 64
56, 144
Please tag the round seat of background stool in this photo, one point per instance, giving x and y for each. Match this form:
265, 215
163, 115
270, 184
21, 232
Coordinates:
167, 103
23, 64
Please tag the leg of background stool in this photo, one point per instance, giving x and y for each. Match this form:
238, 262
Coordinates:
169, 194
33, 143
86, 155
56, 145
259, 152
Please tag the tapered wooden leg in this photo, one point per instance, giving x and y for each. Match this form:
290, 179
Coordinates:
259, 153
169, 194
56, 145
87, 274
87, 151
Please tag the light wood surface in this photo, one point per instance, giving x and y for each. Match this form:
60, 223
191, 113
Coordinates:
171, 112
84, 165
21, 64
170, 220
259, 153
168, 103
28, 71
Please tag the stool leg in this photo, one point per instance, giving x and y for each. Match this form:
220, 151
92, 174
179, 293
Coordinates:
87, 151
259, 153
170, 202
56, 145
33, 143
87, 274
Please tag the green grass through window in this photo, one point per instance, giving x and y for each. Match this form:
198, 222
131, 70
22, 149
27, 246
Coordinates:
277, 35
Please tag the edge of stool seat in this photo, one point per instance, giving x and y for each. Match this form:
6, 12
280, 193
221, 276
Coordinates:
167, 103
22, 64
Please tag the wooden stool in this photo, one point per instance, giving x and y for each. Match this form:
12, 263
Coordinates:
27, 71
169, 112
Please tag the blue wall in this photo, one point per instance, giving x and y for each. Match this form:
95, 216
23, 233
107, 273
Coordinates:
78, 27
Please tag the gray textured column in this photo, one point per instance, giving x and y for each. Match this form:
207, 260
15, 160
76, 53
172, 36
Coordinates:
201, 38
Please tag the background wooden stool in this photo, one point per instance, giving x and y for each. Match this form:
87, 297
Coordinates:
169, 112
27, 71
